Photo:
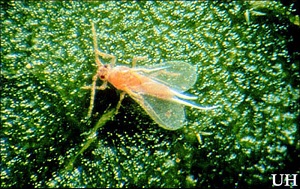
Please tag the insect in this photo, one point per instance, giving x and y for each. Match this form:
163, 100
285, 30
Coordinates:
157, 88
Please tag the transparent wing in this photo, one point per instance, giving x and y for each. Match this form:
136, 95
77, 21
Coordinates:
177, 75
167, 114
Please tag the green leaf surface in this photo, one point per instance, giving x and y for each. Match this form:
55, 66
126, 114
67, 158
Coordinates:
246, 64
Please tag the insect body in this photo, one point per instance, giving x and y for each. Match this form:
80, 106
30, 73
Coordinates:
157, 88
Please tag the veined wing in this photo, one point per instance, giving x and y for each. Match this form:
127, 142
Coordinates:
167, 114
177, 75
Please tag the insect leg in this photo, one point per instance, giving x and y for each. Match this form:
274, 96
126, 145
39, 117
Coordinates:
107, 56
92, 96
122, 95
137, 58
93, 91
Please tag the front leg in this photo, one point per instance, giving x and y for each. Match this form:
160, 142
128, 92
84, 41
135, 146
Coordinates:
98, 53
107, 56
93, 92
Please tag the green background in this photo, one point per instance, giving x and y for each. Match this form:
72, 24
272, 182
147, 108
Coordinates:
248, 67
